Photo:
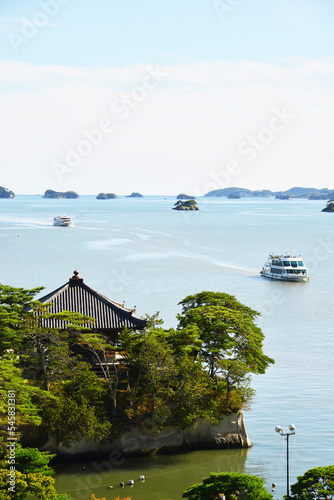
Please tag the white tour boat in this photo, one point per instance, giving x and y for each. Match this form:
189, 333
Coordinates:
62, 220
287, 267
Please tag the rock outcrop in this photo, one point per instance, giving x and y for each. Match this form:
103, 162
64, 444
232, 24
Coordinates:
6, 193
229, 433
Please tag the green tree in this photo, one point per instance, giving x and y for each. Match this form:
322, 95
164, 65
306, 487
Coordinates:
165, 385
24, 485
103, 355
26, 399
230, 342
315, 484
45, 351
12, 310
77, 408
30, 460
233, 485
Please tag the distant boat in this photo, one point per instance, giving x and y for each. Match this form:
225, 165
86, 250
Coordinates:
287, 267
62, 220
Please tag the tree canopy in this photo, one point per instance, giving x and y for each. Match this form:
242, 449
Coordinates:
233, 485
224, 333
315, 484
36, 484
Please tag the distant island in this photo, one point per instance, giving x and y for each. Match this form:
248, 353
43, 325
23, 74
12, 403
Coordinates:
235, 196
329, 207
283, 197
183, 196
295, 192
49, 193
106, 196
186, 205
135, 195
6, 193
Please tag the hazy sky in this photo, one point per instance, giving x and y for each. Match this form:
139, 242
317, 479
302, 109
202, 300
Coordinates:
166, 96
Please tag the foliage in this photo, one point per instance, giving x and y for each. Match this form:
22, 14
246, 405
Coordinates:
28, 399
315, 484
30, 460
228, 340
45, 351
164, 388
226, 329
12, 304
73, 402
77, 408
37, 484
233, 485
63, 496
102, 354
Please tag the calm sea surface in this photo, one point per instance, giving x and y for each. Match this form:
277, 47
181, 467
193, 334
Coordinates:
142, 252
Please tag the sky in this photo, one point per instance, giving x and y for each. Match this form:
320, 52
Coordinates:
163, 97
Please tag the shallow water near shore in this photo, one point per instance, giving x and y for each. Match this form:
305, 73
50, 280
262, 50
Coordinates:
141, 251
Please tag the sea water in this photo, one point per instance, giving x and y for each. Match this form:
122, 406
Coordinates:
144, 253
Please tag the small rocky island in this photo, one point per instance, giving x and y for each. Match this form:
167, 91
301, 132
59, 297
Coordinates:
186, 205
329, 207
183, 196
106, 196
283, 197
6, 193
135, 195
49, 193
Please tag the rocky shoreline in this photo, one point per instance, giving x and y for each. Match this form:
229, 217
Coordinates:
229, 433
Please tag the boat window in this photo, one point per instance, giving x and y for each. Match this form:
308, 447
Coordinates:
286, 263
300, 263
293, 263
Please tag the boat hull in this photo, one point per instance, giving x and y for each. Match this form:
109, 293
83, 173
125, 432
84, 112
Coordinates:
278, 277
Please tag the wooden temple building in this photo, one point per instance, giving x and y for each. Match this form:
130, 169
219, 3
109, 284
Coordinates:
75, 296
110, 319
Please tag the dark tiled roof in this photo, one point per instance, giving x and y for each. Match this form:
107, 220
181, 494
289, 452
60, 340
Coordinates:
76, 296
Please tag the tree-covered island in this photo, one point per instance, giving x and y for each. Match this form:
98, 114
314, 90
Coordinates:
329, 207
73, 383
186, 205
106, 196
160, 377
50, 193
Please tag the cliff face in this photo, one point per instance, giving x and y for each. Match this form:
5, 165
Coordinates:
229, 433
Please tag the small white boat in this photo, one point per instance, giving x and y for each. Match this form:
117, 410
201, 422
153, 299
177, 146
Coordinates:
62, 220
286, 267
